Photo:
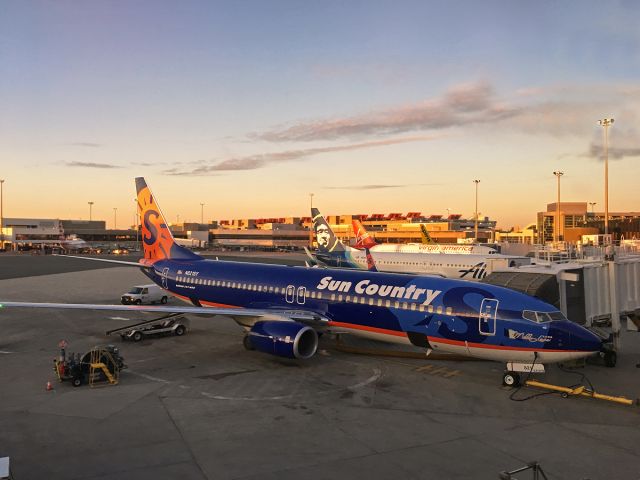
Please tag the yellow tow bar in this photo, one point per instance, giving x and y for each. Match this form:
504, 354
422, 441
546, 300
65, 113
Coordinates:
582, 391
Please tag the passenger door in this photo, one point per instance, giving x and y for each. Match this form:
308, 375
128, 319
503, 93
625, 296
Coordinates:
487, 317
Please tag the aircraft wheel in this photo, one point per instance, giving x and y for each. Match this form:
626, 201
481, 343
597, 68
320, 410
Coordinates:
610, 359
137, 336
163, 300
246, 341
511, 379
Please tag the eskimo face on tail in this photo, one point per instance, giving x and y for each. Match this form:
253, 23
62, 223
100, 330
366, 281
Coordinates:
323, 235
327, 241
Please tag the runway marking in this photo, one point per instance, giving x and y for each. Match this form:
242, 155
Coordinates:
377, 374
441, 371
149, 377
119, 318
6, 352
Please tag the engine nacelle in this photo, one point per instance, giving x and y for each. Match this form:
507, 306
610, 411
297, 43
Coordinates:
284, 339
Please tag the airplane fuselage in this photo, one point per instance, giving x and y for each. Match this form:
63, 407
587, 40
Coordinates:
447, 315
462, 266
451, 249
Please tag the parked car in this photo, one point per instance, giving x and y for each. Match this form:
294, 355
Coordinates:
140, 294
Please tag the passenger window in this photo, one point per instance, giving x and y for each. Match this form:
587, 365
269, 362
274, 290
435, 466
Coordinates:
319, 295
449, 311
439, 309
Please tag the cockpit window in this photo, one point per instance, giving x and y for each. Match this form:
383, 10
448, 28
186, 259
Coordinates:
542, 317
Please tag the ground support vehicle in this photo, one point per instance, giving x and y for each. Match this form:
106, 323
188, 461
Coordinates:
173, 324
100, 364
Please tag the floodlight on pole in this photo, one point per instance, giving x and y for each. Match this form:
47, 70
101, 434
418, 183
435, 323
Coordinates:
558, 174
202, 213
115, 218
605, 123
476, 229
90, 208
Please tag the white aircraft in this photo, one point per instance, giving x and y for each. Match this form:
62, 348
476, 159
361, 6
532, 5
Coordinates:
332, 252
364, 240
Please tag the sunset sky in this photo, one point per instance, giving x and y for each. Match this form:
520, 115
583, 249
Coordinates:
374, 106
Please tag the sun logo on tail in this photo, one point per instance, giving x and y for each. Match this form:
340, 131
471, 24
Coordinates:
156, 239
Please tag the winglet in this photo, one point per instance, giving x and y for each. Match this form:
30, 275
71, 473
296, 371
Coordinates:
371, 264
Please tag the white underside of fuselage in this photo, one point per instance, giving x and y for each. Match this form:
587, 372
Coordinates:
501, 354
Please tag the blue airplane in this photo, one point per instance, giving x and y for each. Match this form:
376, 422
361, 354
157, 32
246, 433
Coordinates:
283, 308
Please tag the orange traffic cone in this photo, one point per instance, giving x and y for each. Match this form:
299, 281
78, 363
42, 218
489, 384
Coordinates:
49, 386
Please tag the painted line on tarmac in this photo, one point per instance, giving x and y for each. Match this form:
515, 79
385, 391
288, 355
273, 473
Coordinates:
149, 377
6, 352
377, 374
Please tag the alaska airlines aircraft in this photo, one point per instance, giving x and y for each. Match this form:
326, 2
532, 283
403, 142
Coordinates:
282, 308
364, 240
332, 252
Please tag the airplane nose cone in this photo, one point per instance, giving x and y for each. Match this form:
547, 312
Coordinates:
582, 339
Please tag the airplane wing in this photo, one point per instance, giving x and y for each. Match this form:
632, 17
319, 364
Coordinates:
245, 317
106, 260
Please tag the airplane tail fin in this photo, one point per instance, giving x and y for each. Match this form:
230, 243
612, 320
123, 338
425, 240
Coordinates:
157, 241
363, 239
426, 238
327, 240
371, 264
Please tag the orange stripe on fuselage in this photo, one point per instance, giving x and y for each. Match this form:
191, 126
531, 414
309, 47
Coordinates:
367, 328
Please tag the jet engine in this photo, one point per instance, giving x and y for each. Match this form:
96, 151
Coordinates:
284, 339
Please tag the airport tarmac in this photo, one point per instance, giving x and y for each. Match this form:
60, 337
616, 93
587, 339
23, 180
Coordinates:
202, 407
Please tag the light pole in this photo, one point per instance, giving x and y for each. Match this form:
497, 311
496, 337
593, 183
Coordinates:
605, 123
476, 182
202, 213
90, 207
115, 218
1, 216
558, 174
311, 226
